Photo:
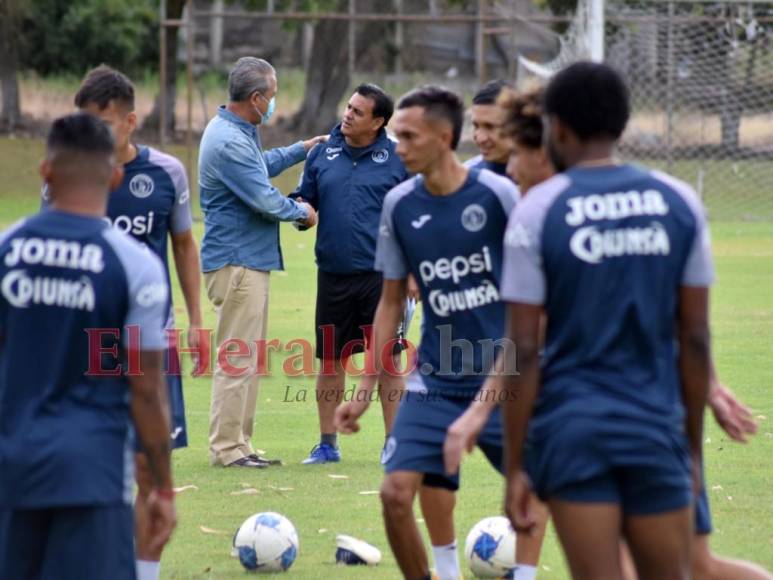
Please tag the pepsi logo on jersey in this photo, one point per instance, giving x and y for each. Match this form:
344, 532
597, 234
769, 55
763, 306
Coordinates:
138, 225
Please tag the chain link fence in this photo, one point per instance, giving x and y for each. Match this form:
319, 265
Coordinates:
701, 81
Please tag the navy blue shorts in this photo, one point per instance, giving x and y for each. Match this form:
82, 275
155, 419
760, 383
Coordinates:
643, 468
69, 543
174, 384
702, 513
419, 431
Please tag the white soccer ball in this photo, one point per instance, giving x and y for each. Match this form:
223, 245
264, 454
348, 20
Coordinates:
490, 548
266, 542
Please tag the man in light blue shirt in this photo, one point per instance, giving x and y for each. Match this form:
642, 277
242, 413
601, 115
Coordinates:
242, 211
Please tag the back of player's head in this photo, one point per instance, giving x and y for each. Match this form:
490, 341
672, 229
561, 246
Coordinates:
523, 110
383, 105
249, 75
79, 148
591, 99
438, 103
104, 85
80, 133
489, 93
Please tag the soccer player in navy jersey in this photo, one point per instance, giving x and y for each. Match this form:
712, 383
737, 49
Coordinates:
487, 119
152, 204
445, 227
530, 165
74, 293
619, 259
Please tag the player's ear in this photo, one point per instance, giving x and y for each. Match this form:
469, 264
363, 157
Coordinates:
131, 119
116, 176
45, 170
377, 123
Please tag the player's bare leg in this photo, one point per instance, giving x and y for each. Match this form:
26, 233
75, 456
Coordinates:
705, 564
390, 390
660, 544
397, 494
437, 507
529, 546
590, 537
331, 382
709, 566
330, 391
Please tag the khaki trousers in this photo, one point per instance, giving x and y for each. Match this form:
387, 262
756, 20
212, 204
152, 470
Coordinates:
240, 297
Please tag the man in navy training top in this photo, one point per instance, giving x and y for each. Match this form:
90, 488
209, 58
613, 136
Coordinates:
619, 258
67, 277
346, 180
446, 227
152, 204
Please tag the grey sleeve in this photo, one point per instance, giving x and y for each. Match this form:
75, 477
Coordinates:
505, 190
148, 291
180, 219
148, 304
390, 259
523, 273
699, 268
523, 277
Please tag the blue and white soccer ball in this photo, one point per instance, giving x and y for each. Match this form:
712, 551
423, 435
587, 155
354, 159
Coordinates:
266, 542
490, 548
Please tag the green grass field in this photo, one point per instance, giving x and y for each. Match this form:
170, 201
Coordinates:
739, 477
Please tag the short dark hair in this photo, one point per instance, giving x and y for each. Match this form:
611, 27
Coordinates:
591, 98
488, 93
438, 102
383, 105
80, 133
102, 85
524, 115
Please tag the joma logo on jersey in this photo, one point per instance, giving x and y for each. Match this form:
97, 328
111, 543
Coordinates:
614, 206
56, 253
137, 226
592, 246
457, 267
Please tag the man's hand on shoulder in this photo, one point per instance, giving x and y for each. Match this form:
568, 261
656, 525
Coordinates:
309, 143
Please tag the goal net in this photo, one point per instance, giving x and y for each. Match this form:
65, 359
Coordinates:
701, 82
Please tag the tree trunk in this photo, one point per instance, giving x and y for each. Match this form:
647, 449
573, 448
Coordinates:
174, 11
10, 32
327, 75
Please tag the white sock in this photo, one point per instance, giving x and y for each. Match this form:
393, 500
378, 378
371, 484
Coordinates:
148, 570
446, 562
525, 572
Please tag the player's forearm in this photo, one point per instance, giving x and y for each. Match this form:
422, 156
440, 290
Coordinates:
492, 392
695, 369
150, 413
186, 260
520, 393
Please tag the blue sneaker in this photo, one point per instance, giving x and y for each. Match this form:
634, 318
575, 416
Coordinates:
323, 453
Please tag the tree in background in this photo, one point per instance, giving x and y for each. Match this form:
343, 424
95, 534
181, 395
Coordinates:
72, 37
10, 39
174, 10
